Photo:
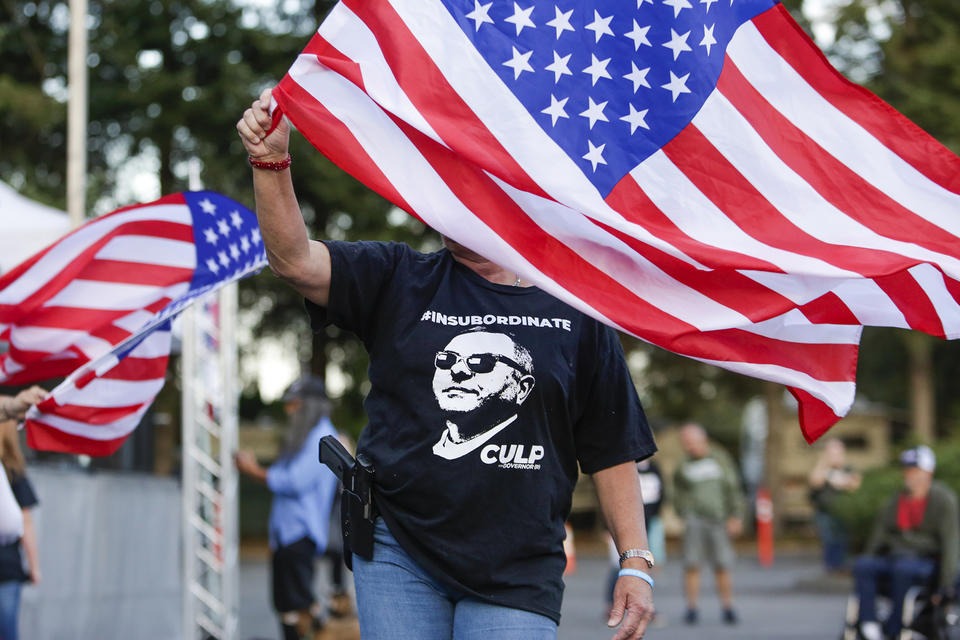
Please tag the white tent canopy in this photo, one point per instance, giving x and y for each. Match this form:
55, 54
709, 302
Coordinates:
26, 227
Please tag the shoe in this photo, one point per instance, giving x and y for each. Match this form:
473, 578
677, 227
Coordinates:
690, 617
871, 630
730, 616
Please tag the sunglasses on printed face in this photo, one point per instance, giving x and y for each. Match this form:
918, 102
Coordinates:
477, 363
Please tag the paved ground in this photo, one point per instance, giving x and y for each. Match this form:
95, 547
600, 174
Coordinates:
789, 601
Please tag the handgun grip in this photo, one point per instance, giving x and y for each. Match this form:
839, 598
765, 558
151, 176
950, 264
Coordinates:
335, 455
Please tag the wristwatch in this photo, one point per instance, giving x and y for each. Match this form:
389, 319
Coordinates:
637, 553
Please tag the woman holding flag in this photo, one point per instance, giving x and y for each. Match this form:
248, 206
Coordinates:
486, 396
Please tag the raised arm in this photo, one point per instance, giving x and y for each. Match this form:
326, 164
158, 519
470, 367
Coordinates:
302, 262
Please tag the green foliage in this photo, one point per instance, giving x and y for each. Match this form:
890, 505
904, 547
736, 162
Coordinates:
920, 71
885, 377
32, 123
905, 51
171, 78
675, 389
859, 509
946, 363
883, 354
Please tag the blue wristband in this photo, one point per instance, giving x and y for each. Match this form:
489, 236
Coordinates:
636, 573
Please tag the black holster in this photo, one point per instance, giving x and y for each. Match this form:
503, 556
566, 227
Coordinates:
357, 511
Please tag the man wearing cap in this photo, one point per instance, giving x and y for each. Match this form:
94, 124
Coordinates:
914, 541
303, 495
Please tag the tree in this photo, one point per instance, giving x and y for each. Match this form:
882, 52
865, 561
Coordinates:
168, 81
905, 51
32, 118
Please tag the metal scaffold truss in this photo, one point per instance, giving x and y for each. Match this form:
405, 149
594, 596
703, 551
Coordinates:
210, 483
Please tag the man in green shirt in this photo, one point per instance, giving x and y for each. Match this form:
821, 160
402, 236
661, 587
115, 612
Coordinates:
707, 495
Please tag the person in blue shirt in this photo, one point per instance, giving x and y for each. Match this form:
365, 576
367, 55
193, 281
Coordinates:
303, 495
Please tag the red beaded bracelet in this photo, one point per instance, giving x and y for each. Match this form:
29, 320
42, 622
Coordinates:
280, 165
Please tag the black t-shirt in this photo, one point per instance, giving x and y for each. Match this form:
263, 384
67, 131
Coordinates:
484, 399
11, 561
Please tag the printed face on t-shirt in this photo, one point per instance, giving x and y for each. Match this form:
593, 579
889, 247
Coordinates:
479, 367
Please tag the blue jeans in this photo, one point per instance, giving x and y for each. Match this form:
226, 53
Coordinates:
901, 573
397, 600
833, 536
9, 609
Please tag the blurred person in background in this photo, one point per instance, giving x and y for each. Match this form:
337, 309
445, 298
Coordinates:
19, 557
303, 495
709, 498
914, 541
831, 477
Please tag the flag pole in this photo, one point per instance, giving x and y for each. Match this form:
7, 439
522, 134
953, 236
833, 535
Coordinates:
77, 113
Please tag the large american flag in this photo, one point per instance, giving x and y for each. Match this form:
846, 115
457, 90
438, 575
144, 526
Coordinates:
96, 307
693, 172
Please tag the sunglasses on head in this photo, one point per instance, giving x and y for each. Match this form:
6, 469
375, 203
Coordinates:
477, 363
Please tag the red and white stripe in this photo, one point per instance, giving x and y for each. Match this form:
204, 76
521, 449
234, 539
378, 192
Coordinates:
794, 209
101, 403
79, 298
68, 309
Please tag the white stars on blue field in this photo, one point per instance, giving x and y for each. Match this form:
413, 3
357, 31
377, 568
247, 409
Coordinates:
227, 237
610, 81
